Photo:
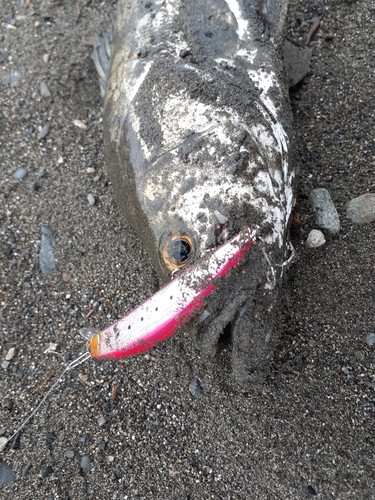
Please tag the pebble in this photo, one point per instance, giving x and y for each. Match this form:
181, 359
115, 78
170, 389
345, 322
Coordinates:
85, 462
83, 377
80, 124
91, 199
5, 364
90, 170
16, 443
324, 211
110, 459
20, 174
33, 186
46, 471
46, 258
370, 339
70, 454
361, 210
45, 58
43, 133
196, 388
315, 239
10, 354
26, 469
50, 436
102, 446
101, 421
7, 474
44, 90
3, 442
41, 174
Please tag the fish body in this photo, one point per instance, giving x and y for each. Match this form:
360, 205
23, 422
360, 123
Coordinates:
198, 144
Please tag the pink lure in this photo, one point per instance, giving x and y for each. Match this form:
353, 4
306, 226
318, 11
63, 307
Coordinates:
173, 305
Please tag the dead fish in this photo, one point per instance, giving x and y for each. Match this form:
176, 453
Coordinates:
198, 141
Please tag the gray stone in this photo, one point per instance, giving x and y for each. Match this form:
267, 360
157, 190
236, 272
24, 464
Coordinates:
44, 90
324, 211
20, 174
10, 354
85, 462
101, 421
42, 134
370, 339
297, 62
70, 454
46, 471
196, 388
5, 364
361, 210
46, 257
91, 199
7, 475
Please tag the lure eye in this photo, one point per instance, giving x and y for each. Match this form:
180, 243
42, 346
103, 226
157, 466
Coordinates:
177, 250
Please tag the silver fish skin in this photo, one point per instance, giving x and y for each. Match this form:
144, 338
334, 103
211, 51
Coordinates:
199, 145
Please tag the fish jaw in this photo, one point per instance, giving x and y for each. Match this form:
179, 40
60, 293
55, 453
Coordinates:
165, 312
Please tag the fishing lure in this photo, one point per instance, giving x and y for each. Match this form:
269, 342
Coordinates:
173, 305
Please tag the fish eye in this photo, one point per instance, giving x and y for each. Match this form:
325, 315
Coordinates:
177, 250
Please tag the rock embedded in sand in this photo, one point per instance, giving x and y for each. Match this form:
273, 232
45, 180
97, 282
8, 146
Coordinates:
20, 174
370, 339
44, 90
361, 210
315, 239
324, 211
196, 388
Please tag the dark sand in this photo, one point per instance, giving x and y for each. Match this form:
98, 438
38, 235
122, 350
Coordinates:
310, 428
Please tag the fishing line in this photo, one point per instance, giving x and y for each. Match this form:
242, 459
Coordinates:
76, 362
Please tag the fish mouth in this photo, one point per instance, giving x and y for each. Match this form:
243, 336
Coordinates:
173, 305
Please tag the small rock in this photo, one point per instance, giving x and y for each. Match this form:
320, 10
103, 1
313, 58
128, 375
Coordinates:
42, 173
51, 347
13, 79
102, 446
101, 421
195, 387
315, 239
309, 490
3, 442
33, 186
346, 370
70, 454
5, 364
91, 199
361, 210
370, 339
26, 469
220, 217
60, 160
7, 474
85, 462
83, 377
16, 443
43, 133
10, 354
325, 213
90, 170
46, 471
80, 124
66, 277
46, 257
20, 174
50, 436
44, 90
45, 58
110, 459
